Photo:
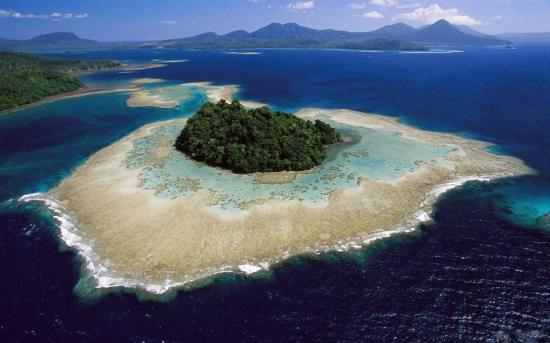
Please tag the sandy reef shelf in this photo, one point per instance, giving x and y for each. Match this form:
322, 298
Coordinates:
143, 66
147, 80
148, 98
142, 240
173, 95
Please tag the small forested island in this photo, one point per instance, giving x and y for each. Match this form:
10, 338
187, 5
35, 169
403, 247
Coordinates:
229, 136
27, 78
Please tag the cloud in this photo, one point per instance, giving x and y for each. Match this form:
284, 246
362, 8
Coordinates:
52, 16
433, 13
409, 5
358, 6
301, 5
364, 5
168, 22
372, 15
385, 3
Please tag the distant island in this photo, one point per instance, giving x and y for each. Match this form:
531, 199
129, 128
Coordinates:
229, 136
392, 37
398, 37
28, 78
61, 41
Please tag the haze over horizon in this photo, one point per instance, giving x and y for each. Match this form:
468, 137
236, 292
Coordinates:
128, 20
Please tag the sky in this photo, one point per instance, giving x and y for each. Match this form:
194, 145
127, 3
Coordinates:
126, 20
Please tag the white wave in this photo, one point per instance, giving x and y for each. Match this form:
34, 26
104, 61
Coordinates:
445, 187
433, 52
156, 60
422, 216
242, 53
103, 276
106, 278
249, 268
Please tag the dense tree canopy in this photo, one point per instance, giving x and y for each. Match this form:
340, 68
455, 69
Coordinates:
258, 140
27, 78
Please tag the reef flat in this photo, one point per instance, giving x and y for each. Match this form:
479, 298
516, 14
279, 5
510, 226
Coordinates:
145, 216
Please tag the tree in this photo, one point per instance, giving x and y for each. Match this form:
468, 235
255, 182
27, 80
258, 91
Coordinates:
227, 135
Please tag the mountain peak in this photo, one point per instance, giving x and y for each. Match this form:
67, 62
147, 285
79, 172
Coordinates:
442, 26
272, 25
236, 34
397, 29
56, 36
295, 35
281, 31
399, 25
442, 22
59, 38
443, 32
292, 25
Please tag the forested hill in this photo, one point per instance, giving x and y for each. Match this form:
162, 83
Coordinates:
55, 41
392, 37
290, 35
28, 78
229, 136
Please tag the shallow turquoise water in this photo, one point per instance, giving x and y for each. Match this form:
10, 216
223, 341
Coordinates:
41, 145
526, 203
377, 154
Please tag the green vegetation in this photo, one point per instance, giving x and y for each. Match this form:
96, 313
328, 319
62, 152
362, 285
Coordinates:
28, 78
246, 141
295, 36
381, 44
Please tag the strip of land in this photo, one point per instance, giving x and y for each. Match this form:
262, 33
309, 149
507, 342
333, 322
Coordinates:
85, 91
173, 95
138, 96
27, 78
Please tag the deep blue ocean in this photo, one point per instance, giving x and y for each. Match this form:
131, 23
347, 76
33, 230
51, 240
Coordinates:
478, 273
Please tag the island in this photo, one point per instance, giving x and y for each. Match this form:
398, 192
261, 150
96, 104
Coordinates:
229, 136
28, 78
395, 37
146, 217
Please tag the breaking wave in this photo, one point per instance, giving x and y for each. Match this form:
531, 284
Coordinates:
105, 277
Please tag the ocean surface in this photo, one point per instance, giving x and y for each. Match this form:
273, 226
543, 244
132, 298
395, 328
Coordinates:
479, 272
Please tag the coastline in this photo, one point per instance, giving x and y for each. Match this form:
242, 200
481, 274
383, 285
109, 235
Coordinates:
144, 242
86, 89
98, 273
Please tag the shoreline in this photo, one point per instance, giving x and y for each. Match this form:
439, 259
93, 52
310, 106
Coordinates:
86, 89
252, 241
74, 239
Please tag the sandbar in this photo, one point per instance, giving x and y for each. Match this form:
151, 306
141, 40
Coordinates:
136, 67
84, 91
147, 80
245, 53
172, 96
